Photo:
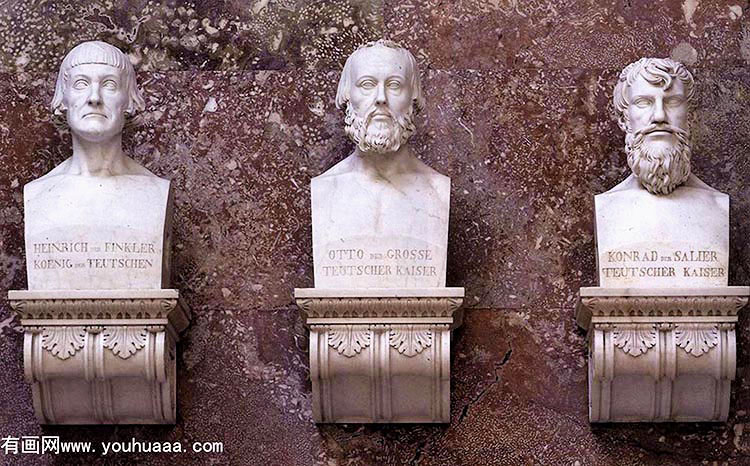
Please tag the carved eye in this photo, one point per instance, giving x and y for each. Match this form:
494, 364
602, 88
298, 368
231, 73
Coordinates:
109, 84
80, 84
642, 103
674, 101
367, 84
394, 85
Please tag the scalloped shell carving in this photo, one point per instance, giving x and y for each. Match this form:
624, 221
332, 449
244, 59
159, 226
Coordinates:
410, 340
696, 339
349, 340
63, 342
635, 339
124, 341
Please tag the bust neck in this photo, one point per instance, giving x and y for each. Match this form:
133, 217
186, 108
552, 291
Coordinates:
386, 165
101, 158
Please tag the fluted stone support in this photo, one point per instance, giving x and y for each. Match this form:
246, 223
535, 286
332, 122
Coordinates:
660, 354
380, 355
101, 357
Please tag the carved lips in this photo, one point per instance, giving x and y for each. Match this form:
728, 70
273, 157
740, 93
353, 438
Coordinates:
95, 114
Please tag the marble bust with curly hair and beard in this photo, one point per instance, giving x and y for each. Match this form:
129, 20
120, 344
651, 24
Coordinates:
648, 225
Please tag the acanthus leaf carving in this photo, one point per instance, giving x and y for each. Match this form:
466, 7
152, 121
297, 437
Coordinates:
304, 303
63, 342
349, 340
136, 308
379, 307
410, 340
18, 306
634, 339
124, 341
664, 306
696, 339
167, 305
455, 303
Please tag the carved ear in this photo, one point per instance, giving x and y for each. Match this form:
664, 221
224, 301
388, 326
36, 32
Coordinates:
622, 122
60, 110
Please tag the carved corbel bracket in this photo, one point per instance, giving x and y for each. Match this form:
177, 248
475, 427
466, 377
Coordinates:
101, 356
380, 355
660, 354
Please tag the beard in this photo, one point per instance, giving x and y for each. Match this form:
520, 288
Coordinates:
379, 137
659, 168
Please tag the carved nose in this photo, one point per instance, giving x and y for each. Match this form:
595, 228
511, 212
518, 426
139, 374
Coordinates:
659, 116
380, 96
94, 96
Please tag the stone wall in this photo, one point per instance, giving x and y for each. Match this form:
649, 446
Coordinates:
240, 115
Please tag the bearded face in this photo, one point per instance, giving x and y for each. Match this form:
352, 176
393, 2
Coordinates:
659, 166
378, 130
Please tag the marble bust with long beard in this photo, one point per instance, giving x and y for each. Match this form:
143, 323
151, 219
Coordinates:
380, 216
662, 226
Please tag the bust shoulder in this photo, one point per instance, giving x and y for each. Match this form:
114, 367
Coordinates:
436, 178
352, 166
134, 176
349, 179
344, 167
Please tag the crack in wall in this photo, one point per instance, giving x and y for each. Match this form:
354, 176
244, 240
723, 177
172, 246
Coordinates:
418, 453
498, 366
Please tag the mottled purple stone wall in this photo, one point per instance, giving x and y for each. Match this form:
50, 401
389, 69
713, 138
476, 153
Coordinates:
240, 114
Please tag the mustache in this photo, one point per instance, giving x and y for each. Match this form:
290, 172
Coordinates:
377, 111
659, 127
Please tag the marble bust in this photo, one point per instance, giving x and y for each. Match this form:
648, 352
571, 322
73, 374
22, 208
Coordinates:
99, 220
380, 315
662, 226
380, 216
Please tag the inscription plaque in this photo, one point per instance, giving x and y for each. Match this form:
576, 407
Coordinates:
679, 240
77, 242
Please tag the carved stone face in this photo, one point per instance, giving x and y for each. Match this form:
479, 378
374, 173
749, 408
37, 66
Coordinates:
657, 111
380, 107
96, 98
657, 142
379, 80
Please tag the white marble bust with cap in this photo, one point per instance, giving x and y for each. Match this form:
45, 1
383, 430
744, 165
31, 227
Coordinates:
380, 216
99, 220
662, 226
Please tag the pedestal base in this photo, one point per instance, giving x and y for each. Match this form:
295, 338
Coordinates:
101, 356
380, 355
660, 354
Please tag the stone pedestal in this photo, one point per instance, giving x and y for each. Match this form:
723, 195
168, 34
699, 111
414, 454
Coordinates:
101, 356
664, 354
380, 355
